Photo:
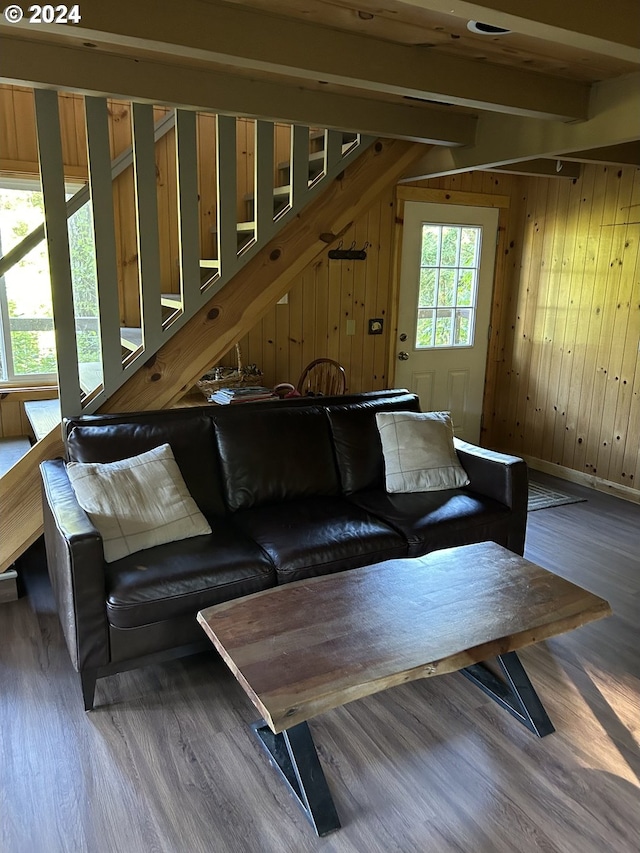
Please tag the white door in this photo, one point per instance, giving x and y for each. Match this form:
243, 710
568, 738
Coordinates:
446, 283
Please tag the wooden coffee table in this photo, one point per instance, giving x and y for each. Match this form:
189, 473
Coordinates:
306, 647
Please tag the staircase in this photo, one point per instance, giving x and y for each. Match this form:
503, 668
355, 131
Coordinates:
180, 334
280, 190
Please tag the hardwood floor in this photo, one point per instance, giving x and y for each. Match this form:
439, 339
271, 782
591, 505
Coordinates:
167, 763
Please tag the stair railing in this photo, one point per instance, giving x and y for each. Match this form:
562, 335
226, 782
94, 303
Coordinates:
200, 278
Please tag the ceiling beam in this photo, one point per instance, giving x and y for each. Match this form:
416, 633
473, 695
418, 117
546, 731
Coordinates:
608, 29
258, 42
541, 168
627, 154
502, 139
36, 63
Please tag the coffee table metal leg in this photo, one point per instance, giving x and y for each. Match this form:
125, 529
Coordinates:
294, 755
516, 694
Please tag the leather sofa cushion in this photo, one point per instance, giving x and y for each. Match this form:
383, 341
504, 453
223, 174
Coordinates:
357, 441
277, 456
318, 536
434, 520
191, 437
181, 578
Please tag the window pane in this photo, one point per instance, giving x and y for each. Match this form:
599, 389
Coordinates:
450, 256
425, 328
469, 247
446, 288
20, 212
30, 312
450, 241
427, 296
430, 241
27, 308
444, 327
464, 326
85, 297
466, 288
34, 352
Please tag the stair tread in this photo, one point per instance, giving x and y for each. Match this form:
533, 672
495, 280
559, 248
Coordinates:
12, 448
131, 337
43, 415
241, 227
171, 300
277, 192
317, 155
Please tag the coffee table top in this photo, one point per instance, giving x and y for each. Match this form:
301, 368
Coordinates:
306, 647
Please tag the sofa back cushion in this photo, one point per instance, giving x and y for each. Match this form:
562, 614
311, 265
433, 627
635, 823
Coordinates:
357, 440
108, 438
275, 454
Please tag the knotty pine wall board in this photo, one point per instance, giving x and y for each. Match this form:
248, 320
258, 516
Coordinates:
612, 336
591, 191
18, 143
565, 318
579, 305
567, 323
595, 306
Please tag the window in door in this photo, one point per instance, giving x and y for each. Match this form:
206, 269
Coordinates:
447, 294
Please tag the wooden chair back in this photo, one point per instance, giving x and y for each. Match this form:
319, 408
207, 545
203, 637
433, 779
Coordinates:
323, 376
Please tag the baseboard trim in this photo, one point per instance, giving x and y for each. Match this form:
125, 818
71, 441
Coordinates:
573, 476
8, 586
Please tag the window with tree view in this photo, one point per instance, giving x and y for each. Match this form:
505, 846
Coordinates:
449, 262
27, 334
27, 343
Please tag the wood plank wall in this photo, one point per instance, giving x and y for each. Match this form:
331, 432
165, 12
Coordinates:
567, 386
563, 380
313, 323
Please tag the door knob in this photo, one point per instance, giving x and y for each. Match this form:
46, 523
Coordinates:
403, 356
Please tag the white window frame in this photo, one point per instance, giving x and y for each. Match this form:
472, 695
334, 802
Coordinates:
11, 379
472, 308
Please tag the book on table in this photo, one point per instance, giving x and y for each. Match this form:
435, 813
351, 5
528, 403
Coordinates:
245, 394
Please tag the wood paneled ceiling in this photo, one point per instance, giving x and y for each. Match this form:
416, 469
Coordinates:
564, 82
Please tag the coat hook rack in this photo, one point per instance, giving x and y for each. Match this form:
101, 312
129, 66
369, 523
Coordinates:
350, 254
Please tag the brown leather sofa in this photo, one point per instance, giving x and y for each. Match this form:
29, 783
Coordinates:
291, 489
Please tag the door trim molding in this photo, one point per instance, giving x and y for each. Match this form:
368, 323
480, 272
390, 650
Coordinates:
434, 196
406, 193
442, 198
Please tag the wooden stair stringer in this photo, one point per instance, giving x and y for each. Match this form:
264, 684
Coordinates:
21, 498
214, 329
235, 309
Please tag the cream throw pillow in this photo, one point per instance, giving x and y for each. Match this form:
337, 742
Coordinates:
137, 503
418, 450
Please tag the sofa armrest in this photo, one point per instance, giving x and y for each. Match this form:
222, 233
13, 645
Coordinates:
496, 475
75, 560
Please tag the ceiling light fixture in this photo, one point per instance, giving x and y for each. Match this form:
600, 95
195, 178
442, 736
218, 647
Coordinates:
486, 29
